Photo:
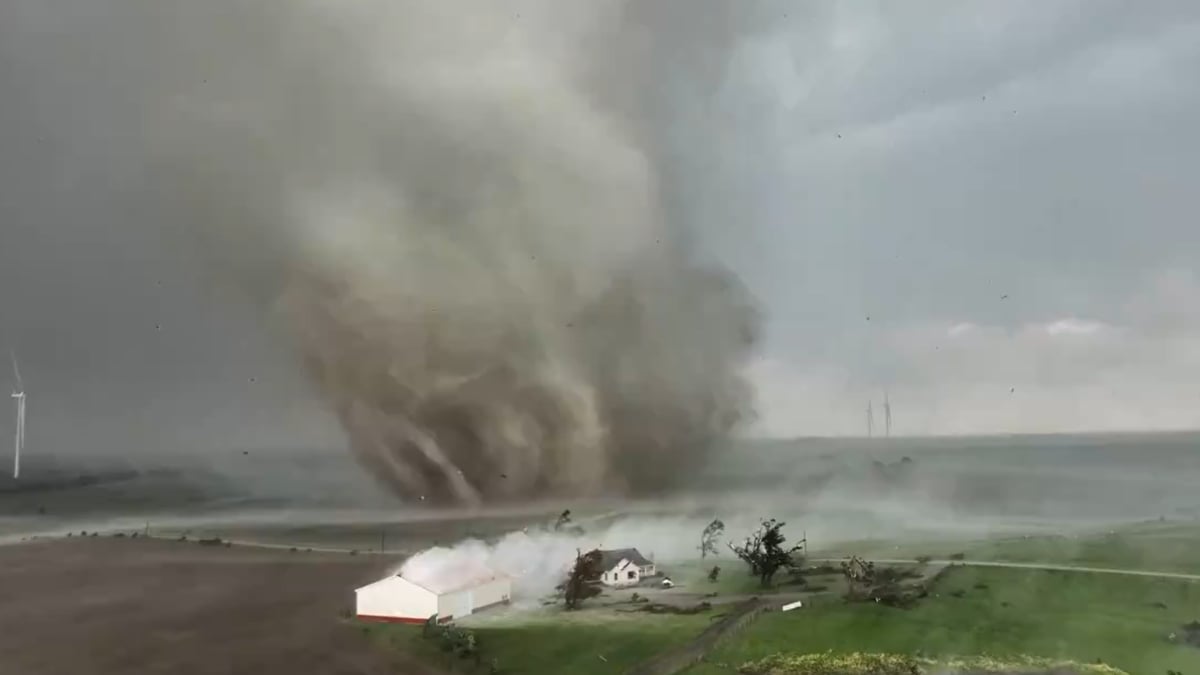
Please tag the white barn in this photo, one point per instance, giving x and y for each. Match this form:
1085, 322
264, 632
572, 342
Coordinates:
450, 594
625, 567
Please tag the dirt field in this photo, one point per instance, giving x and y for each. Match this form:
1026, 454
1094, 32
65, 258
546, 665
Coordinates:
118, 607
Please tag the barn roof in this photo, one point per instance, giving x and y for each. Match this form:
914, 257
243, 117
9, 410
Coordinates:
450, 578
385, 582
609, 559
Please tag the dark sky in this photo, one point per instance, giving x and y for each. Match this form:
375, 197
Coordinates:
912, 163
126, 338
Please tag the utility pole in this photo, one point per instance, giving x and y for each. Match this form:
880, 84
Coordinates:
382, 541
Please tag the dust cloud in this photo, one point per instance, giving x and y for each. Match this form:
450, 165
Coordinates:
455, 214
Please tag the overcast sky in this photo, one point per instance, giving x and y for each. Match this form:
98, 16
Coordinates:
987, 209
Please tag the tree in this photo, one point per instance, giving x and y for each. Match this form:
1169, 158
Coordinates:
708, 538
564, 519
714, 572
860, 576
764, 551
579, 584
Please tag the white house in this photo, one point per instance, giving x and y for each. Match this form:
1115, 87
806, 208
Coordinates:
624, 567
449, 594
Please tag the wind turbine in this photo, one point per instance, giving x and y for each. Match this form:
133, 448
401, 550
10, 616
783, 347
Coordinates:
19, 398
870, 421
887, 415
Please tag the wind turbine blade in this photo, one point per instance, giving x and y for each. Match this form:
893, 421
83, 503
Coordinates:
17, 371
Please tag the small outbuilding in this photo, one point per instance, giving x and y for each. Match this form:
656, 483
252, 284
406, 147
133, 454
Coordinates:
449, 594
625, 567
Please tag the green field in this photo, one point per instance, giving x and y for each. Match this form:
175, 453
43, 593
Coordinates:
1155, 546
572, 644
1123, 621
1002, 612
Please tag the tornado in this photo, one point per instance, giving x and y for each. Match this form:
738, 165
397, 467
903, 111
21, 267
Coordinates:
455, 215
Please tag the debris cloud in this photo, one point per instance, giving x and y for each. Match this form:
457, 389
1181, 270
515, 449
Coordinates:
455, 214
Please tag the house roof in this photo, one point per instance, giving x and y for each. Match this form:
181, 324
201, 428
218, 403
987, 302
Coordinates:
610, 559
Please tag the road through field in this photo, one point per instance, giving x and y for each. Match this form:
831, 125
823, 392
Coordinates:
1050, 567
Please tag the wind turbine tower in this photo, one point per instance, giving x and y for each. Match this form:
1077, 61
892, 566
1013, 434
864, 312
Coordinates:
870, 421
887, 415
19, 399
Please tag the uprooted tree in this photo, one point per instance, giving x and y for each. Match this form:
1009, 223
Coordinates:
764, 551
566, 525
580, 583
860, 576
709, 537
564, 519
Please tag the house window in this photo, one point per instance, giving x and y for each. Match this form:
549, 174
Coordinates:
633, 575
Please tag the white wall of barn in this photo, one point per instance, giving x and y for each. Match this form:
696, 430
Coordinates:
396, 598
491, 593
455, 605
468, 600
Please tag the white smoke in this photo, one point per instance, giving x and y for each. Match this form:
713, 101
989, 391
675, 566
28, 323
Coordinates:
538, 560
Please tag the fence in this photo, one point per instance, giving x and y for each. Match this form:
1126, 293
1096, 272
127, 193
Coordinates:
675, 660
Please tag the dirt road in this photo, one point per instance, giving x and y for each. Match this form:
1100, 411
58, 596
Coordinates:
129, 607
1033, 566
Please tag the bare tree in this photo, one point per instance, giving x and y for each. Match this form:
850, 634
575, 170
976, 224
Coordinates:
709, 537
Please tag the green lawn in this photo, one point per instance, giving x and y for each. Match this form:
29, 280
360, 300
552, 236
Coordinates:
1001, 613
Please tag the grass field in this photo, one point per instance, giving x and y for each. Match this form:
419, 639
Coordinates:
1002, 612
1155, 546
1122, 621
1078, 616
569, 645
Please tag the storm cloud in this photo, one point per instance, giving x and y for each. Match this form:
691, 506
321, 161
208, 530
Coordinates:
985, 210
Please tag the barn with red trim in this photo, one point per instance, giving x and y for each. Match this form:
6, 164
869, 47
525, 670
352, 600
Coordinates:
450, 594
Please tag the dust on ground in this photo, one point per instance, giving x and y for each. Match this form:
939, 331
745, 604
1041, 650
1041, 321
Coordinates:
108, 606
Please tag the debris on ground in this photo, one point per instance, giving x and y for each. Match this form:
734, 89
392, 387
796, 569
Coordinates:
1188, 634
659, 608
